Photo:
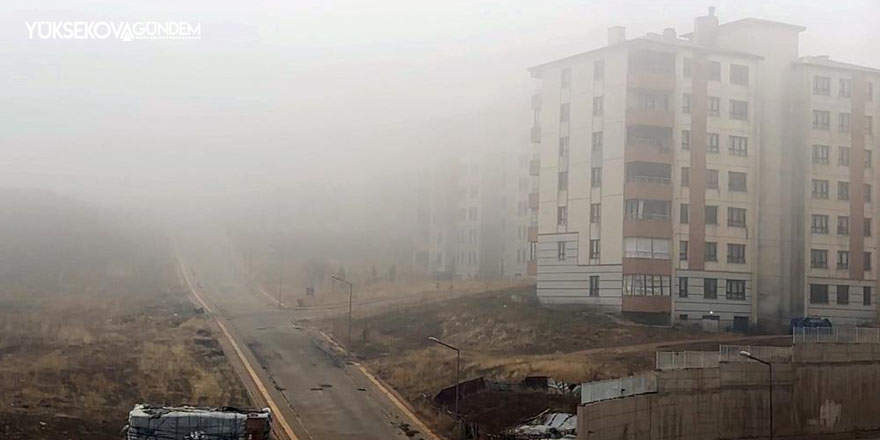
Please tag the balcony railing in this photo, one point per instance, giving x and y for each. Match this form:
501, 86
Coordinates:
649, 217
659, 144
649, 179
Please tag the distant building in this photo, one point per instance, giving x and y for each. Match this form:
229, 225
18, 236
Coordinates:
472, 216
716, 176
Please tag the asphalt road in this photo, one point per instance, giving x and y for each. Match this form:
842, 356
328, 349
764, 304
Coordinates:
325, 398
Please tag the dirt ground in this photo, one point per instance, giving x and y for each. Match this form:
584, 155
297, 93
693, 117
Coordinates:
505, 336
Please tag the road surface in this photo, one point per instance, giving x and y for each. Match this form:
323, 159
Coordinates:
321, 396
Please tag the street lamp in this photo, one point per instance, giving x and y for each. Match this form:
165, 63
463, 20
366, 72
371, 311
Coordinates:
349, 307
457, 369
746, 354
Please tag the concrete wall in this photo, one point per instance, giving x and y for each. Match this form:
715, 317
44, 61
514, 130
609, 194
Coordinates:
828, 388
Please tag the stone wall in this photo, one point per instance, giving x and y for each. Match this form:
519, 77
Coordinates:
826, 388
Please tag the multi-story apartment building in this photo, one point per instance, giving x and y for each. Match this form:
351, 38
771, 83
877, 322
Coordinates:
676, 180
473, 217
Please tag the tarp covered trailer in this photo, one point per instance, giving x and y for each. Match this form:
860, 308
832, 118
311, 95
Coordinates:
147, 422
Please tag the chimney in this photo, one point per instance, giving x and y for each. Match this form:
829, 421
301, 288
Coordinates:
669, 33
706, 29
616, 35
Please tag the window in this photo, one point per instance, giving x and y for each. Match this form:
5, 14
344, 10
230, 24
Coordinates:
473, 214
685, 139
564, 112
563, 180
869, 125
868, 158
843, 259
739, 74
594, 249
739, 146
686, 103
818, 258
736, 217
562, 216
866, 296
867, 231
595, 212
714, 106
598, 140
843, 124
869, 91
594, 285
820, 189
563, 146
683, 250
596, 176
842, 225
867, 192
560, 250
710, 288
711, 251
566, 78
683, 213
739, 110
818, 294
845, 88
819, 224
598, 106
842, 190
820, 154
714, 71
686, 67
843, 295
867, 261
712, 179
711, 215
821, 120
736, 253
736, 290
712, 142
821, 85
647, 285
644, 247
685, 176
599, 69
682, 287
639, 209
843, 158
736, 181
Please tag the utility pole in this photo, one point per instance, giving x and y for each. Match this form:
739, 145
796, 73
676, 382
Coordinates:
349, 307
457, 369
749, 355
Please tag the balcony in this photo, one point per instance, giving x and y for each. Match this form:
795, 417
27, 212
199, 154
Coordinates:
532, 268
535, 134
647, 149
534, 167
650, 117
648, 180
533, 200
533, 234
647, 80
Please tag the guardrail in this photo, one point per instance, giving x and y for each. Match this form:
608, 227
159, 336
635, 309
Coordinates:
612, 389
851, 335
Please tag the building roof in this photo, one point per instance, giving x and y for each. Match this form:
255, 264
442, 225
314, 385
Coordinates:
759, 21
648, 39
825, 61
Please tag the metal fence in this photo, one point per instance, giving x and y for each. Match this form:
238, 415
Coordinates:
612, 389
851, 335
730, 353
677, 360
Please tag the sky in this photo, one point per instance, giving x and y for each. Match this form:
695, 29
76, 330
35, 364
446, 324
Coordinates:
313, 94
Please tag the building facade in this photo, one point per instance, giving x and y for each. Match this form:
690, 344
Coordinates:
676, 178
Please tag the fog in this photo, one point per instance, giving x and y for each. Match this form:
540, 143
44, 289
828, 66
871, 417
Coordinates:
313, 106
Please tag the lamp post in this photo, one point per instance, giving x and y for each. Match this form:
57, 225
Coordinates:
349, 307
749, 355
457, 369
